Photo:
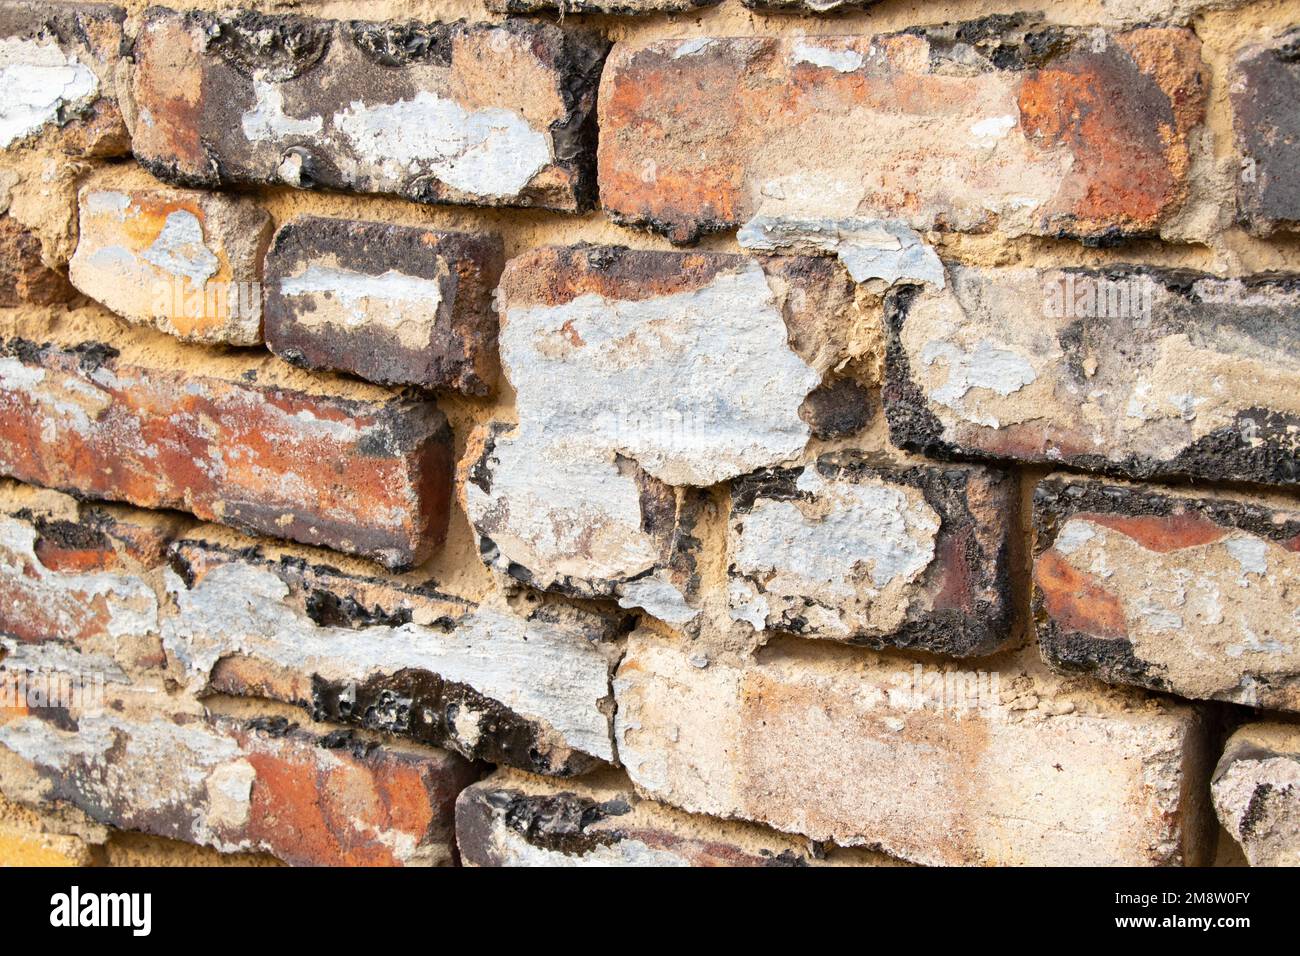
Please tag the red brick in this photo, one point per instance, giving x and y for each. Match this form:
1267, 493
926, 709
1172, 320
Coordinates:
367, 477
261, 785
81, 574
24, 277
1032, 129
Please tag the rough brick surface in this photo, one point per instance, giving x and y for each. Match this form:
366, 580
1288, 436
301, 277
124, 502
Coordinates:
1016, 770
999, 123
185, 262
24, 277
365, 477
80, 574
529, 690
874, 553
489, 115
511, 819
617, 7
58, 62
1134, 371
1256, 791
1265, 86
239, 786
1174, 591
396, 305
633, 372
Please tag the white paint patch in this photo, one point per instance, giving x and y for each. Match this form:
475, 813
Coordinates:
852, 549
404, 304
706, 384
41, 84
658, 597
1251, 554
130, 605
180, 249
986, 366
106, 202
268, 120
515, 850
545, 672
842, 61
692, 47
989, 132
885, 249
1073, 536
490, 152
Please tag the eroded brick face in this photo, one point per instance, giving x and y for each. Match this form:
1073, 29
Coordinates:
261, 785
1030, 771
1187, 593
528, 690
59, 61
80, 575
997, 124
511, 819
617, 7
870, 552
1256, 789
1265, 87
486, 115
1134, 371
24, 277
365, 477
636, 372
186, 262
396, 305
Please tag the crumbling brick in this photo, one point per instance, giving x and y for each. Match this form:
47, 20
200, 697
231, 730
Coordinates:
1134, 371
448, 113
1264, 89
398, 305
1256, 791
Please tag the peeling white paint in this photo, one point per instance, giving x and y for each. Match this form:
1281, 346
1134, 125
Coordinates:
985, 366
41, 84
268, 120
692, 47
852, 549
842, 61
988, 132
180, 249
490, 152
130, 606
658, 597
884, 249
707, 385
402, 304
544, 672
511, 849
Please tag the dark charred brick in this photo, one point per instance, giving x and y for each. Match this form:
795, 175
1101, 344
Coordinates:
1170, 590
397, 305
1264, 91
510, 819
873, 552
398, 108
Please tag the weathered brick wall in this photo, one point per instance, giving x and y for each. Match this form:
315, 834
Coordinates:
650, 432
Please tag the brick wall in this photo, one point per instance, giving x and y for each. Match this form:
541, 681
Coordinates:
650, 432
